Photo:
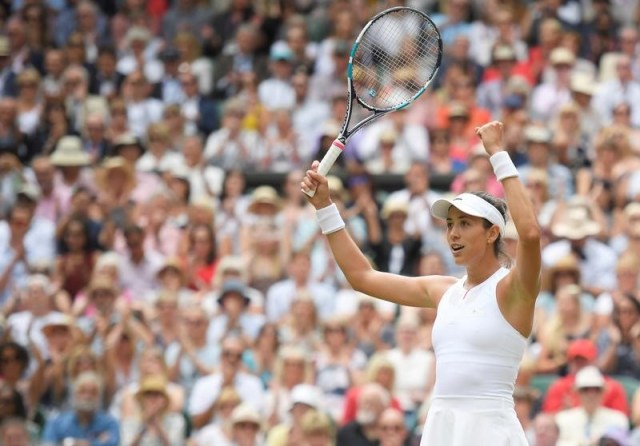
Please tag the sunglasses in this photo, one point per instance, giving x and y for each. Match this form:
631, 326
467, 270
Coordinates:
590, 389
391, 427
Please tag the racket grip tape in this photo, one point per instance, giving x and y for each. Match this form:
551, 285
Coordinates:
328, 160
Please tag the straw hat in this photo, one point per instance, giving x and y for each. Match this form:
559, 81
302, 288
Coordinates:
228, 394
137, 33
125, 140
576, 225
102, 283
562, 56
69, 153
264, 195
503, 53
458, 110
537, 134
583, 83
245, 413
394, 206
155, 384
336, 186
111, 164
171, 263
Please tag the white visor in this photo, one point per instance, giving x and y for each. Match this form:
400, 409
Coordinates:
472, 205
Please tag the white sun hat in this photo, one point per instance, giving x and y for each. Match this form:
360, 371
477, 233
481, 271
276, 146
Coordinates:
472, 205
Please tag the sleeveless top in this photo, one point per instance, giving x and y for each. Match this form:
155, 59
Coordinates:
478, 352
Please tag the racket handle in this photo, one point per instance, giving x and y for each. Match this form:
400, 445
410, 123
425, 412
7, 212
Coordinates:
328, 160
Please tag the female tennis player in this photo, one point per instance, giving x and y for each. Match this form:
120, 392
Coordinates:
483, 319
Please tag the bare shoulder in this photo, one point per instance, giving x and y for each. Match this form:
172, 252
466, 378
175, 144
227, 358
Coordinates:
435, 286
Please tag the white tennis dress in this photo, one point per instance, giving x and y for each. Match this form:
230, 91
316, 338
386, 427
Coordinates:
477, 358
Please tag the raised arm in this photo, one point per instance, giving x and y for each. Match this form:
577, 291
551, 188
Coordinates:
411, 291
524, 279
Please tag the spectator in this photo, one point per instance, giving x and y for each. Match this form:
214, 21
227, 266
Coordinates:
317, 429
76, 259
244, 59
568, 322
246, 426
14, 432
548, 97
15, 401
276, 91
157, 424
8, 87
539, 156
220, 430
192, 356
623, 88
234, 318
71, 164
151, 364
380, 370
365, 430
414, 368
202, 403
282, 293
304, 399
139, 267
232, 147
393, 431
587, 422
106, 80
85, 421
619, 341
576, 230
338, 365
546, 431
142, 109
562, 394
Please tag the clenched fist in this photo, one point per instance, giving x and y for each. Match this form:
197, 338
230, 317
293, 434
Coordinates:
492, 136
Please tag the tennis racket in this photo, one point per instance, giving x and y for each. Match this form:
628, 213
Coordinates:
392, 61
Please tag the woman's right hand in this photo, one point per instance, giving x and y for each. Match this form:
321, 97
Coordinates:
313, 180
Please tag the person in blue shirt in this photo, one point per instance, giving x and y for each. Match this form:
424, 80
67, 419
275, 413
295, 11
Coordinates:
85, 423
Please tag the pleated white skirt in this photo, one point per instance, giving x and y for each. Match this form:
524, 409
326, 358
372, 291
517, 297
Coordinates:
472, 422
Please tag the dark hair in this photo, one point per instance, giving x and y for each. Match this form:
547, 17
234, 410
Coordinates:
19, 408
629, 298
107, 50
132, 229
22, 355
213, 247
501, 206
62, 244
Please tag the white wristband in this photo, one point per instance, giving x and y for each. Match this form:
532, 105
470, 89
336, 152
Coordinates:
329, 219
503, 167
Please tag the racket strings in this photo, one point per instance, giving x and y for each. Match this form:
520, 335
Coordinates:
395, 59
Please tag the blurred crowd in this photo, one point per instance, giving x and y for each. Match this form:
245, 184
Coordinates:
149, 296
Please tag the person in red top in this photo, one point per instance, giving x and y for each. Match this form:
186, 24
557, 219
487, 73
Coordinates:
562, 393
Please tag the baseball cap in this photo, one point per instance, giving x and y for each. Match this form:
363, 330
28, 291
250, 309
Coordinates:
306, 394
281, 51
582, 348
589, 376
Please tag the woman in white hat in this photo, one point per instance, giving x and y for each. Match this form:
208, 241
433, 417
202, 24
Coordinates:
483, 320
